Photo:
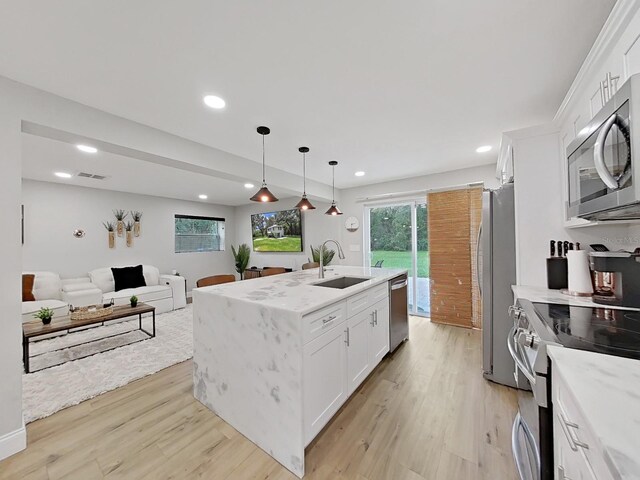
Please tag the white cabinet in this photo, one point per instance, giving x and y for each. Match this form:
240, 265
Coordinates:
343, 343
325, 379
358, 348
576, 452
380, 331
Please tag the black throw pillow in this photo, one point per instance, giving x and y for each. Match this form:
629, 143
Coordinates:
128, 277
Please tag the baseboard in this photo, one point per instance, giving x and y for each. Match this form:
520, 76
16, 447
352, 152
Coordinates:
13, 442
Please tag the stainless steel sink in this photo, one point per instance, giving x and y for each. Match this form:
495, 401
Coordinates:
341, 282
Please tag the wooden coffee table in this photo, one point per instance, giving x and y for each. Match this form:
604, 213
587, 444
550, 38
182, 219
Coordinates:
35, 328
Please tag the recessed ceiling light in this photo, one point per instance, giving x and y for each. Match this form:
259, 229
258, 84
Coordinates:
86, 148
484, 148
63, 175
249, 185
359, 174
214, 102
202, 196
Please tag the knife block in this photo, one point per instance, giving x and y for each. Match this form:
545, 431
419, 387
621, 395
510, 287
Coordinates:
557, 277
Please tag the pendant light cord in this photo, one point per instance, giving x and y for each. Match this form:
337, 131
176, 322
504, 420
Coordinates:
304, 173
263, 170
333, 184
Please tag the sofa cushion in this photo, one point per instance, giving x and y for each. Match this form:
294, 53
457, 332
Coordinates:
57, 305
144, 294
27, 287
103, 277
46, 286
76, 287
128, 277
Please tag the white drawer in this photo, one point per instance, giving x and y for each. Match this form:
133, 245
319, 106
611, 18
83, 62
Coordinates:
379, 293
577, 430
320, 321
357, 303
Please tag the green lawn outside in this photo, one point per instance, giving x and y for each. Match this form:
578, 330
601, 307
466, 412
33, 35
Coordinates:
402, 260
284, 244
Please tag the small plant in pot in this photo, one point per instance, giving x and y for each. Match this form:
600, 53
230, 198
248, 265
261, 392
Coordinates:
134, 301
120, 216
112, 233
241, 257
45, 314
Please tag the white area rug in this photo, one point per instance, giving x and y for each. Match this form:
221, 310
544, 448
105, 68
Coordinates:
48, 391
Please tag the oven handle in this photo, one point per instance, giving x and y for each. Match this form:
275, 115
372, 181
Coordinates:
478, 273
513, 350
598, 153
519, 424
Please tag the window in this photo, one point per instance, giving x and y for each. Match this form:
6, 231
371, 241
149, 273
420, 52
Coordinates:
199, 234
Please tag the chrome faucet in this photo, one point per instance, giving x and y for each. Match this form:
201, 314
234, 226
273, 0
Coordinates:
321, 251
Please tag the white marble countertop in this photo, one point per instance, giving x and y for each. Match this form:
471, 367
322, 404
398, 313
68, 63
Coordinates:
295, 291
607, 390
545, 295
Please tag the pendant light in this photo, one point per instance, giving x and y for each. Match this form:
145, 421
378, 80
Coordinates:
304, 203
333, 210
263, 195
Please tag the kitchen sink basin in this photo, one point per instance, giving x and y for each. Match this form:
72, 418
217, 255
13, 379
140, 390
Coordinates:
341, 282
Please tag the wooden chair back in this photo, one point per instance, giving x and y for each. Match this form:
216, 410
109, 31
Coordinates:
309, 265
273, 271
215, 280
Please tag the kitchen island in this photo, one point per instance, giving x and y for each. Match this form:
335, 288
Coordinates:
276, 357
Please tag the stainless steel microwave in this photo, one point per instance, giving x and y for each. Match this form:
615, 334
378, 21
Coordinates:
603, 160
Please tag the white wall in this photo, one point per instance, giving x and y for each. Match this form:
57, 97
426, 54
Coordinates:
316, 227
351, 202
53, 211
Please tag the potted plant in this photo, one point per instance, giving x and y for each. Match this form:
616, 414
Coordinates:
112, 234
120, 216
134, 301
327, 255
129, 228
45, 314
241, 257
137, 216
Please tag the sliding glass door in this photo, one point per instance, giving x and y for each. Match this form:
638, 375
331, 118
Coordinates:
396, 237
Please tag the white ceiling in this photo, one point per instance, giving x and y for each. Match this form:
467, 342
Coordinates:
42, 157
396, 89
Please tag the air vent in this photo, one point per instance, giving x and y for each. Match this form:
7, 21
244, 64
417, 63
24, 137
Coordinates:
95, 176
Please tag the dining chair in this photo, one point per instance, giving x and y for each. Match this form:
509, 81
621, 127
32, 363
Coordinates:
309, 265
272, 271
215, 280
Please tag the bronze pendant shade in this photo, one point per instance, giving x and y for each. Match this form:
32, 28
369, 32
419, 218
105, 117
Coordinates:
333, 210
304, 203
263, 195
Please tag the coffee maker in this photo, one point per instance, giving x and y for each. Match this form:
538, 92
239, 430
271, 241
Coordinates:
616, 278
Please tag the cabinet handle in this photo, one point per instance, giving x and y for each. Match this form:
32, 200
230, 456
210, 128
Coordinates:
574, 443
330, 319
373, 319
561, 475
347, 340
376, 317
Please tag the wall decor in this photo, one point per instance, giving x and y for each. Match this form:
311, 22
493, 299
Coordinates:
129, 230
137, 217
78, 233
120, 216
112, 234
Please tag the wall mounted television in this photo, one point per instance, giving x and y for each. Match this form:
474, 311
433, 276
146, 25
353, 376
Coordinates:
277, 231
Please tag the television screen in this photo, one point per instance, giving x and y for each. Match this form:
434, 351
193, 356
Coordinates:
277, 231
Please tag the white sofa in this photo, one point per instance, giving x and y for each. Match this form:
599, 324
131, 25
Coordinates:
50, 291
165, 292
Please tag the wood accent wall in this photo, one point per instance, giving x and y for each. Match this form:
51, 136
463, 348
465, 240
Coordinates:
454, 217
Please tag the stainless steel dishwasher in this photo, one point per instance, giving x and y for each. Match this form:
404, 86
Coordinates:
398, 311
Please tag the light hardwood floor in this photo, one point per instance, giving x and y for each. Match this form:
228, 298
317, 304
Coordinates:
425, 413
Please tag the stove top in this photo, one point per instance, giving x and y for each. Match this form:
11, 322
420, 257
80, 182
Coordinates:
602, 330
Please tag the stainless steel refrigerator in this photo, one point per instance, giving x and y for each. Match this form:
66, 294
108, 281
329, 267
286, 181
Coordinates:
497, 261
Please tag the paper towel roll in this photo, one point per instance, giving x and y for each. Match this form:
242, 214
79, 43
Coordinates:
579, 273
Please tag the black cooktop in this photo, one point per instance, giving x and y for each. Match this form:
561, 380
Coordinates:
602, 330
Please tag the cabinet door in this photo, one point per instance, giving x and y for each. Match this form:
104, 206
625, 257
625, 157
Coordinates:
380, 332
325, 379
358, 351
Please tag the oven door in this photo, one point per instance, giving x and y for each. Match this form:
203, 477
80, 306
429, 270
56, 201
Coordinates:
525, 438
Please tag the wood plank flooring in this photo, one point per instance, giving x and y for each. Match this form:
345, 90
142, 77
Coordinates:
426, 413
